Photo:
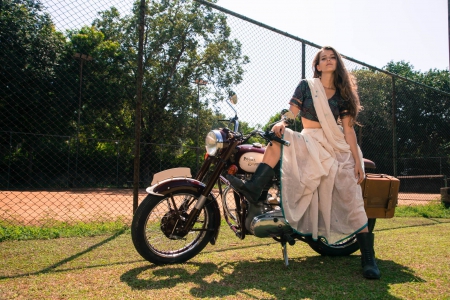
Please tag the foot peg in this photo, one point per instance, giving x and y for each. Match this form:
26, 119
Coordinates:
289, 239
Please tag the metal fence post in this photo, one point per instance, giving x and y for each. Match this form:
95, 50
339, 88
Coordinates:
394, 129
198, 82
10, 158
303, 60
68, 161
117, 165
82, 58
137, 125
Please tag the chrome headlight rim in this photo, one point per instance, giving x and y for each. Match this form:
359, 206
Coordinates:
214, 142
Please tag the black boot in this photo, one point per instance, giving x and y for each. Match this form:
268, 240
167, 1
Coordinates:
370, 268
252, 188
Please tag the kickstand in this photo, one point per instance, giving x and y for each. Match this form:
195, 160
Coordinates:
285, 254
287, 238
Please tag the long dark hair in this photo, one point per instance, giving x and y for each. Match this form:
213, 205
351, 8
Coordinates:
343, 81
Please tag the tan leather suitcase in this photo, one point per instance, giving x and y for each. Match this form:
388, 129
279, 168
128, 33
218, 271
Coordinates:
380, 194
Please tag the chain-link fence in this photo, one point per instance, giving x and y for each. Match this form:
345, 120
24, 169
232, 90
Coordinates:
70, 92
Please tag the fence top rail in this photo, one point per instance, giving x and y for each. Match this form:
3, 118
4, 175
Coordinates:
35, 134
242, 17
423, 176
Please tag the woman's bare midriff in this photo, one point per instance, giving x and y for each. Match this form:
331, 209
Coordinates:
309, 124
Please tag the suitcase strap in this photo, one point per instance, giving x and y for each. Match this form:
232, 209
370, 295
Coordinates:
390, 203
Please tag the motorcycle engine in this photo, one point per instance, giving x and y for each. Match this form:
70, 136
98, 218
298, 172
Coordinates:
270, 224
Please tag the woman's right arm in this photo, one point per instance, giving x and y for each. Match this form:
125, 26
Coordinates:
295, 110
278, 128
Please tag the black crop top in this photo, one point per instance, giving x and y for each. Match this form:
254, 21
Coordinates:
302, 98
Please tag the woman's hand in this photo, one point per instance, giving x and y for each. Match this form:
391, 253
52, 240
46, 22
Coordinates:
359, 173
278, 128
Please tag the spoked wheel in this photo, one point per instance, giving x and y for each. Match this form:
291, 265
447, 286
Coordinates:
158, 231
346, 247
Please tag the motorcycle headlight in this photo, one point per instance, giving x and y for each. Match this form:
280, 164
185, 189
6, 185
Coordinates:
213, 142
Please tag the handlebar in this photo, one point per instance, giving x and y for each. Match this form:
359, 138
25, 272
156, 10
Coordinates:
269, 136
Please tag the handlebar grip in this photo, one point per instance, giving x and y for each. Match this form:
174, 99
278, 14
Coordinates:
273, 137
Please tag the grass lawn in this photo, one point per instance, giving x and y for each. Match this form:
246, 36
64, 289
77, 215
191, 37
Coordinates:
413, 256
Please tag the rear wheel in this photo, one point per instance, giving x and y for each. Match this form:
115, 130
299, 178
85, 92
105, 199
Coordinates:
346, 247
157, 228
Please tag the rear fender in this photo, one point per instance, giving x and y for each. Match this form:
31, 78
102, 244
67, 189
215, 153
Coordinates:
174, 185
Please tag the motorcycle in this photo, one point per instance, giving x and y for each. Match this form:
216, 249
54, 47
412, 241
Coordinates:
181, 215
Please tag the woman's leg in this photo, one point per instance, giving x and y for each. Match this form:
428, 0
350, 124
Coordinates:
368, 262
272, 154
264, 173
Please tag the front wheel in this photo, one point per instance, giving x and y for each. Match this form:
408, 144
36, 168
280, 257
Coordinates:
157, 228
346, 247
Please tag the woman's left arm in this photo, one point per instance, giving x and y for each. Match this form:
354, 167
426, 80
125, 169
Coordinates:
350, 138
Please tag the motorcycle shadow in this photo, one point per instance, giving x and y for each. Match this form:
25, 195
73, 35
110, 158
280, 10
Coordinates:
316, 277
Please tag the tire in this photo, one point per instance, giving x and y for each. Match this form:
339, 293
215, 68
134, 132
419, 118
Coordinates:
155, 221
344, 248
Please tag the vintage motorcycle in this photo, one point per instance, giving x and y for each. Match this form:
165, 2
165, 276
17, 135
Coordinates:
181, 215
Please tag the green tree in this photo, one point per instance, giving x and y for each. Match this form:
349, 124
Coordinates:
93, 82
402, 68
184, 42
423, 113
375, 133
30, 52
108, 87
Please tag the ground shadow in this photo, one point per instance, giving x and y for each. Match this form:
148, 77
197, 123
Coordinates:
314, 277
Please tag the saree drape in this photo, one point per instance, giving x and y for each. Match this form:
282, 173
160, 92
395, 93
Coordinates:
319, 192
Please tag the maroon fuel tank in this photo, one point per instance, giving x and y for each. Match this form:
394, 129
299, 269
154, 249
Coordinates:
249, 156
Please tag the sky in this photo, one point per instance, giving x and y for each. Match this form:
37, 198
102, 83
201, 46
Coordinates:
374, 32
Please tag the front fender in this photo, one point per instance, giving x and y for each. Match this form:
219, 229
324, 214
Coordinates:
174, 184
196, 187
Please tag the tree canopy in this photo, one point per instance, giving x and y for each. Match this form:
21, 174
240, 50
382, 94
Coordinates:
83, 82
30, 50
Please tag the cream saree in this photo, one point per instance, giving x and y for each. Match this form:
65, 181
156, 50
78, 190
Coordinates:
319, 192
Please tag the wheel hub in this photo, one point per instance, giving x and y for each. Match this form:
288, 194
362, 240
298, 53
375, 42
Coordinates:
172, 225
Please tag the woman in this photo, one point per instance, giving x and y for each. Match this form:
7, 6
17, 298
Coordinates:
322, 169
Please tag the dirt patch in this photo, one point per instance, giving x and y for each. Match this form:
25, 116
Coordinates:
38, 207
417, 199
74, 205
